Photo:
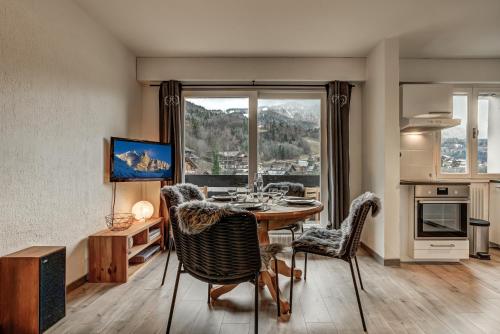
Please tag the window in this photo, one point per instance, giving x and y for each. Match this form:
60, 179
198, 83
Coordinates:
216, 136
289, 139
230, 135
471, 149
487, 133
454, 154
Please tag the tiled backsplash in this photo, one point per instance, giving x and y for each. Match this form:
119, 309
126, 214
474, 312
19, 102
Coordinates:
417, 156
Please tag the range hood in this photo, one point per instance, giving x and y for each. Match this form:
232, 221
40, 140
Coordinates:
426, 107
426, 124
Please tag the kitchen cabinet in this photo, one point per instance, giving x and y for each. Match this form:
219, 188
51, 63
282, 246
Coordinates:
494, 212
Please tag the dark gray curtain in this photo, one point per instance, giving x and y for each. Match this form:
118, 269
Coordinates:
337, 129
172, 127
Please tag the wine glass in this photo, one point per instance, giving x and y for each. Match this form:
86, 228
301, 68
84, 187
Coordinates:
275, 195
232, 192
284, 190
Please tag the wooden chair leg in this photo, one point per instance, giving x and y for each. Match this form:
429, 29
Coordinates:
170, 242
256, 304
359, 274
357, 295
209, 289
291, 280
172, 305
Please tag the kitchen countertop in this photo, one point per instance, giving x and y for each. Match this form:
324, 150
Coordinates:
428, 182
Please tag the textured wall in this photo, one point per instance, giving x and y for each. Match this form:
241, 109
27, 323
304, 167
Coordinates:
66, 85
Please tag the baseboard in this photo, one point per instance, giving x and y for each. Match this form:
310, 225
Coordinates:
76, 284
380, 259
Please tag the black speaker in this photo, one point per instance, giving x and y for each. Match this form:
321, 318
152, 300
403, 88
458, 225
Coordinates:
32, 289
52, 289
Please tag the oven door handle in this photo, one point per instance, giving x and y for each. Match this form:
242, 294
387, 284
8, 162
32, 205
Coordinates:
443, 202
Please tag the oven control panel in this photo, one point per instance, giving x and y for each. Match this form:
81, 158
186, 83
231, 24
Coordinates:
436, 191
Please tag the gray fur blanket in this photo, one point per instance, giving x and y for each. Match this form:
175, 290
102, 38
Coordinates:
178, 194
294, 189
197, 216
334, 242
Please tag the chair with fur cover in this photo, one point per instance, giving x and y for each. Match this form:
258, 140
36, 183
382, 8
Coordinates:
175, 196
342, 243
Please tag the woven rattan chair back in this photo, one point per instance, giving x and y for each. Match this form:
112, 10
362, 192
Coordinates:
358, 223
225, 253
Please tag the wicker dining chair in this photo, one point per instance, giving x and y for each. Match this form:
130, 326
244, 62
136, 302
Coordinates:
294, 189
174, 196
341, 244
225, 253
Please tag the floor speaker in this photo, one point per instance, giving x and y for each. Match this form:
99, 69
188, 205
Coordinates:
32, 289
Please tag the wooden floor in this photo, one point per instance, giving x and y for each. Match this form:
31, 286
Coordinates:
453, 298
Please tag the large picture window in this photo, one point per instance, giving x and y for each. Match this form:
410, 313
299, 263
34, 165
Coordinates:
229, 136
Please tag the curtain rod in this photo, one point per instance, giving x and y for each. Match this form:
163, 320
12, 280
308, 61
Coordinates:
255, 85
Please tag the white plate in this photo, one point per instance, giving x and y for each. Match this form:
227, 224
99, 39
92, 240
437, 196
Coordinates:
248, 206
299, 200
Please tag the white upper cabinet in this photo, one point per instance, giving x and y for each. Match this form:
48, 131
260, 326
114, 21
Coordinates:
427, 100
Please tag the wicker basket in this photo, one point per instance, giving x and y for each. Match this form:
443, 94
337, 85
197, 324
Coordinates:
119, 221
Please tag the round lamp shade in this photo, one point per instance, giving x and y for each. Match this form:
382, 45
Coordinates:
143, 210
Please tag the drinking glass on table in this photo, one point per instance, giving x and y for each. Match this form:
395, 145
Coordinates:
232, 192
284, 190
275, 195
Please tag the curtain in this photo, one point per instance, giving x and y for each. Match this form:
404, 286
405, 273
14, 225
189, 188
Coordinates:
172, 128
338, 101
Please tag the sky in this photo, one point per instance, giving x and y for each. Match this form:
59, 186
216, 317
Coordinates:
162, 152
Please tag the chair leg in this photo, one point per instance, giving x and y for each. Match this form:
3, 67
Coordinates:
256, 306
209, 288
357, 295
359, 274
172, 305
170, 242
293, 234
277, 286
305, 267
291, 280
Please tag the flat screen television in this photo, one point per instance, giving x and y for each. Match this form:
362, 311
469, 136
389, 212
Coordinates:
140, 160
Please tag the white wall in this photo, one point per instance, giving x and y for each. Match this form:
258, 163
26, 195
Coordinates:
66, 85
381, 146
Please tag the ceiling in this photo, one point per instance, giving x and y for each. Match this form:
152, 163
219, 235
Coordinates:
301, 28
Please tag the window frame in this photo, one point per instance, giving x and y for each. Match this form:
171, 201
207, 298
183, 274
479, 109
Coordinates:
254, 94
476, 91
472, 93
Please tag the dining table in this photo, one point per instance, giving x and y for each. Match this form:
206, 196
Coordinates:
274, 217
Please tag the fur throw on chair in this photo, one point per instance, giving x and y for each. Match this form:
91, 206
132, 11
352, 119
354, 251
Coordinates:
178, 194
294, 189
196, 216
190, 192
334, 242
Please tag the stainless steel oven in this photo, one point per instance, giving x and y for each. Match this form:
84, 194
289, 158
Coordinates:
441, 212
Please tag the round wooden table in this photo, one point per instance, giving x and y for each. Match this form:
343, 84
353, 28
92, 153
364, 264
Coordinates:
277, 217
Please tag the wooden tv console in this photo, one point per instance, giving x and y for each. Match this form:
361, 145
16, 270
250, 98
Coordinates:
109, 251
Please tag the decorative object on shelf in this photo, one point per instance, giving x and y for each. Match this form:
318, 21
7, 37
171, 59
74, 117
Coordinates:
119, 221
143, 210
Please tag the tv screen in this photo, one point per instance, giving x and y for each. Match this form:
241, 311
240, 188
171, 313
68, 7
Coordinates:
136, 160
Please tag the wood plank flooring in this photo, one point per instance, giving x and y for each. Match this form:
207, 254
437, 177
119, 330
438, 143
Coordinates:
450, 298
